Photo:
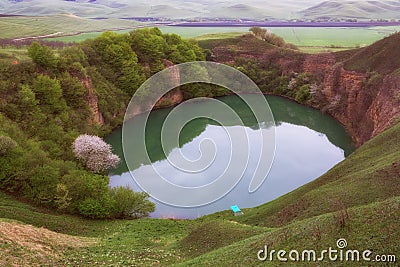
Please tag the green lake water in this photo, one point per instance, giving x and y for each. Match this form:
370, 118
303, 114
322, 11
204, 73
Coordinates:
308, 143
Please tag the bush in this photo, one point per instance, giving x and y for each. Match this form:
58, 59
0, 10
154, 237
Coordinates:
303, 94
94, 209
271, 38
95, 153
130, 204
80, 185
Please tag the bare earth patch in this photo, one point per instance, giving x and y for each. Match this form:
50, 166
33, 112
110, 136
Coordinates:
26, 245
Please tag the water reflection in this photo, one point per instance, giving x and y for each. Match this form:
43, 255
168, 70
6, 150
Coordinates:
308, 143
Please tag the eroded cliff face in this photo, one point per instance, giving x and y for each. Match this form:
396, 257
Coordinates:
171, 98
175, 96
386, 106
366, 108
365, 104
93, 103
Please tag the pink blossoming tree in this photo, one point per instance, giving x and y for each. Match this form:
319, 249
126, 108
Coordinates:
94, 153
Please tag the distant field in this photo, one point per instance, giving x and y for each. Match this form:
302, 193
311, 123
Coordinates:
81, 37
185, 32
19, 27
303, 36
346, 37
308, 39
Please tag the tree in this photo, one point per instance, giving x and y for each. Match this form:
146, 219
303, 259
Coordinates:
95, 153
42, 184
73, 91
42, 55
259, 32
269, 37
118, 62
49, 94
149, 44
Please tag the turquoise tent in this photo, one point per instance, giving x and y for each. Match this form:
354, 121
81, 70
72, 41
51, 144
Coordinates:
236, 210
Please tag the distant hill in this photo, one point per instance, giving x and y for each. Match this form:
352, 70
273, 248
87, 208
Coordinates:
386, 9
239, 11
189, 9
63, 24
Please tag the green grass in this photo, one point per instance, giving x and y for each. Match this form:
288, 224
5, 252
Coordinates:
211, 235
345, 37
136, 242
213, 36
117, 242
310, 40
374, 227
322, 49
197, 33
10, 54
77, 38
382, 56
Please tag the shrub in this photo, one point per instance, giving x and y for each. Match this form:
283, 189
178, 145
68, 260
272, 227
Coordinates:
303, 94
95, 153
94, 209
130, 204
80, 185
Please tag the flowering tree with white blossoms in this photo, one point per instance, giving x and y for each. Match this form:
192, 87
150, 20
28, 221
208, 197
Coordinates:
94, 153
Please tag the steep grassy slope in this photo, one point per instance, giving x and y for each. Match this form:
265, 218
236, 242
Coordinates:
382, 56
374, 227
211, 235
357, 200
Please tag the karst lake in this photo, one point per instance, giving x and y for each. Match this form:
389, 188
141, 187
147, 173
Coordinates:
307, 144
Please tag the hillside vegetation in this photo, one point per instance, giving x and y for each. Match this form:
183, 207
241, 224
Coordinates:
48, 99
